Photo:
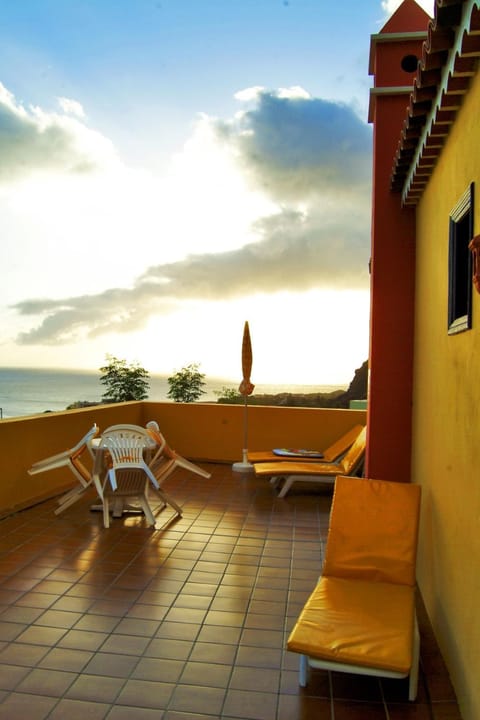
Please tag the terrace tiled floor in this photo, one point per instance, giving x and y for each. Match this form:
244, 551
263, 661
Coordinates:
185, 623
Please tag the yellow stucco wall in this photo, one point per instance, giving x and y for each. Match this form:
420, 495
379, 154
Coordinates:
446, 419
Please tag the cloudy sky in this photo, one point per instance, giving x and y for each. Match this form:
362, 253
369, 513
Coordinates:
172, 168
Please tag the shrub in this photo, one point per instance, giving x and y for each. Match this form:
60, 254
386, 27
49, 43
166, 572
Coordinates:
187, 384
124, 382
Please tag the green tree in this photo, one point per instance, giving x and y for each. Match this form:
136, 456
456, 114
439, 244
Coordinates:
124, 382
187, 384
227, 394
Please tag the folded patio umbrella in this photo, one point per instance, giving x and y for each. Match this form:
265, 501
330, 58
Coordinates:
246, 388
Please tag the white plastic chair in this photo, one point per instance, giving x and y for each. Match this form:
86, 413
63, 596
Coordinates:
120, 458
166, 460
71, 459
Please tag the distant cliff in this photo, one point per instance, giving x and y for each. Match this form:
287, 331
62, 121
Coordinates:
357, 390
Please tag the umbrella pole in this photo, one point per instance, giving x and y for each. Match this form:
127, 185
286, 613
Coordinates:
244, 466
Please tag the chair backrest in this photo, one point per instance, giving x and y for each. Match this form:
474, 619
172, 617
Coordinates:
157, 437
126, 443
341, 445
162, 446
124, 450
355, 454
85, 442
125, 429
373, 531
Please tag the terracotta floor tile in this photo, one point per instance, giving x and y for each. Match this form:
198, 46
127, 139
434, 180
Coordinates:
259, 657
233, 603
158, 670
20, 654
201, 589
219, 634
224, 618
111, 665
137, 626
79, 710
445, 711
11, 676
72, 604
52, 587
97, 623
262, 638
95, 689
18, 706
195, 699
178, 630
265, 622
186, 615
145, 694
36, 635
58, 619
255, 679
213, 653
170, 649
147, 612
346, 686
412, 711
53, 683
123, 712
11, 630
82, 640
304, 708
125, 644
254, 705
8, 597
206, 674
351, 710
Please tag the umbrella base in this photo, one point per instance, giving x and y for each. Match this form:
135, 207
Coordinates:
243, 466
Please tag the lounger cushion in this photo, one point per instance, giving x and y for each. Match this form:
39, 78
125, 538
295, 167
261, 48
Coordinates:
374, 537
261, 456
330, 454
359, 623
272, 469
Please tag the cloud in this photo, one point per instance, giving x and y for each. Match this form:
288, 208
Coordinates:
312, 157
290, 255
389, 6
71, 107
33, 140
295, 146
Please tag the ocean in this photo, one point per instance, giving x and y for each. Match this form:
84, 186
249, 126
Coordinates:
30, 391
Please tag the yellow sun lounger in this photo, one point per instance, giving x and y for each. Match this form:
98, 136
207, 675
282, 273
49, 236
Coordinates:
361, 617
329, 454
314, 472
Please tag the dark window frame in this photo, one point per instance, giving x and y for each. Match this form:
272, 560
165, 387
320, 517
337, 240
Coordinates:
460, 264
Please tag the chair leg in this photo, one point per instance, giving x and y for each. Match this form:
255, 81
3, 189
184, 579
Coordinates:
172, 502
286, 486
303, 671
146, 509
66, 500
413, 678
106, 512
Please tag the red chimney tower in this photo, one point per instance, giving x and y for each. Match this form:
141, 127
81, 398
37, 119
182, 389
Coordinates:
394, 55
